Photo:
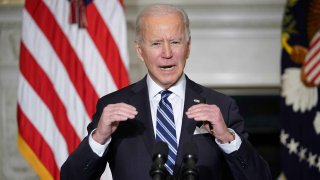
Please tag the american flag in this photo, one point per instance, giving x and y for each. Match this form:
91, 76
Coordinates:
66, 64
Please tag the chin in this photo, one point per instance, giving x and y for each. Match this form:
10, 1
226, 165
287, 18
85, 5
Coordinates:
170, 83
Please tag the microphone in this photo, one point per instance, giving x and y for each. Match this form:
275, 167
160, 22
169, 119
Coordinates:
190, 158
159, 157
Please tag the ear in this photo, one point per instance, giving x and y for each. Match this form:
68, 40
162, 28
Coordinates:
188, 48
139, 51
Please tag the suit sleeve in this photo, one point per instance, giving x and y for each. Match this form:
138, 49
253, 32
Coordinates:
83, 163
245, 163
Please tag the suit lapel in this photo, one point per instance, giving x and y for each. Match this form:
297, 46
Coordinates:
192, 96
140, 100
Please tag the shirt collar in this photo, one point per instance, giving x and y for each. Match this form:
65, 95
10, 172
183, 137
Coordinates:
177, 89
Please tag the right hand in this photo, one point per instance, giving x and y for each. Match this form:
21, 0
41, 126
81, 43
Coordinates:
110, 118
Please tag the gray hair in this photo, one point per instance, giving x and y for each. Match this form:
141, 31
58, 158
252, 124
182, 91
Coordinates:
160, 9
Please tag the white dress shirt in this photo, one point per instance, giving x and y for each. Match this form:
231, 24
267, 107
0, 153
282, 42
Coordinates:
177, 101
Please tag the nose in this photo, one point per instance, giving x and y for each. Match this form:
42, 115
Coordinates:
167, 51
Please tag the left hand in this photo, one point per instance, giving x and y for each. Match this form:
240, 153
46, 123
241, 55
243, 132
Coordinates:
211, 115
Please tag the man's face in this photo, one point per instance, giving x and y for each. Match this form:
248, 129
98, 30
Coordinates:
164, 48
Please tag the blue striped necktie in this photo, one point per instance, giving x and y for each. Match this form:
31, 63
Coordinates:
166, 129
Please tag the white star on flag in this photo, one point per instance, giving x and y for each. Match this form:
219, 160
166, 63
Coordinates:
293, 146
283, 137
302, 153
312, 159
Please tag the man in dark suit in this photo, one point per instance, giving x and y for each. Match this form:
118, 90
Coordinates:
124, 127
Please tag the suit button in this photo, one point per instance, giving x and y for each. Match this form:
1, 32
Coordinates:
243, 163
88, 164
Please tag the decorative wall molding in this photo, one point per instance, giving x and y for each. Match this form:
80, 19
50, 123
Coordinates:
234, 43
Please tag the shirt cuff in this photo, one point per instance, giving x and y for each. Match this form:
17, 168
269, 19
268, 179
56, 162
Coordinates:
232, 146
96, 147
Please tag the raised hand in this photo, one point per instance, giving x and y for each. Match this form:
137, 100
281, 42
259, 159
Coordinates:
110, 118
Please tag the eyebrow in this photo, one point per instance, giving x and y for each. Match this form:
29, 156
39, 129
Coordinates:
171, 39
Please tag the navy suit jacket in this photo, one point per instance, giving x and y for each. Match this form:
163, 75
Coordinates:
130, 152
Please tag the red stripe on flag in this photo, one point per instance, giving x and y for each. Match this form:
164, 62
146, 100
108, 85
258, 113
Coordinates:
313, 56
107, 47
313, 67
311, 47
121, 2
49, 157
315, 42
315, 78
39, 146
40, 82
47, 23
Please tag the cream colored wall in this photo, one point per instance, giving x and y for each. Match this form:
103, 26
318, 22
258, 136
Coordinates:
235, 46
235, 43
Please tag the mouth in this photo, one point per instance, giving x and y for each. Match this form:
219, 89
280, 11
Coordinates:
167, 68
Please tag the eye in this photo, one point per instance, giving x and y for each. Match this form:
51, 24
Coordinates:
155, 44
175, 42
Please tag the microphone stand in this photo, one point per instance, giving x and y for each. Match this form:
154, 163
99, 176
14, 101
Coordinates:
160, 156
189, 170
158, 171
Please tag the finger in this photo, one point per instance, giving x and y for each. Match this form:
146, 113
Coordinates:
203, 110
123, 109
121, 105
126, 113
202, 107
195, 107
119, 117
113, 119
200, 115
194, 111
120, 114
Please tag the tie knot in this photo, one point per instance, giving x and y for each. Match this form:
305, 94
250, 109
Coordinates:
165, 94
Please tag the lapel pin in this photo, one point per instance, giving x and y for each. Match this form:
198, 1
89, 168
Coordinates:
196, 100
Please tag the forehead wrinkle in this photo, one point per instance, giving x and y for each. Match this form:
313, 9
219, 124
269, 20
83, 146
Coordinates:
154, 25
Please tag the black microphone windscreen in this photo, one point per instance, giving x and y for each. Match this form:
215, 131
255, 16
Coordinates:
160, 148
190, 148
